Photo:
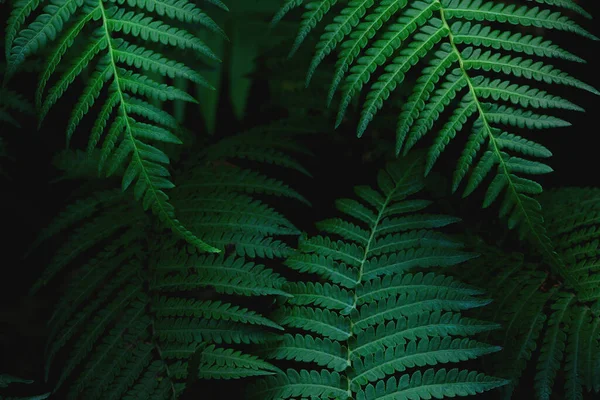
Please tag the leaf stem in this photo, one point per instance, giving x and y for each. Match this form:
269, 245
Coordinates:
538, 238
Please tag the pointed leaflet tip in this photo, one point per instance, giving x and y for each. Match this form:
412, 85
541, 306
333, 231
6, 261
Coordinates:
287, 7
592, 89
455, 186
362, 126
400, 138
310, 73
219, 4
338, 122
297, 43
405, 150
428, 166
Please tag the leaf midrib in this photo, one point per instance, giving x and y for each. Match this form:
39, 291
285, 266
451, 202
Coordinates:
556, 262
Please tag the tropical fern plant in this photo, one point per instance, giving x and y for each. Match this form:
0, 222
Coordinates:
120, 42
541, 318
364, 313
142, 314
485, 73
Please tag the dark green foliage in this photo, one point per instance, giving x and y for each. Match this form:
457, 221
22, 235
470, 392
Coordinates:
119, 42
364, 319
544, 321
383, 302
140, 308
462, 43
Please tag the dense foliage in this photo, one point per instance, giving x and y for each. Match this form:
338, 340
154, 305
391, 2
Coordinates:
174, 248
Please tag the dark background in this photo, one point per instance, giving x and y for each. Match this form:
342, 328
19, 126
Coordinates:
29, 201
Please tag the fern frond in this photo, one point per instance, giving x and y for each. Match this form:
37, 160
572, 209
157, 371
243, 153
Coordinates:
364, 318
106, 52
576, 235
480, 54
543, 320
142, 305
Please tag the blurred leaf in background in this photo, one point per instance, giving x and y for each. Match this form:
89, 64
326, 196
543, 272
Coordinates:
245, 26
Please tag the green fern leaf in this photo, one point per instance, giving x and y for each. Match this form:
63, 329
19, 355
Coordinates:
364, 318
323, 384
325, 352
459, 39
427, 384
551, 327
220, 363
140, 311
125, 145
